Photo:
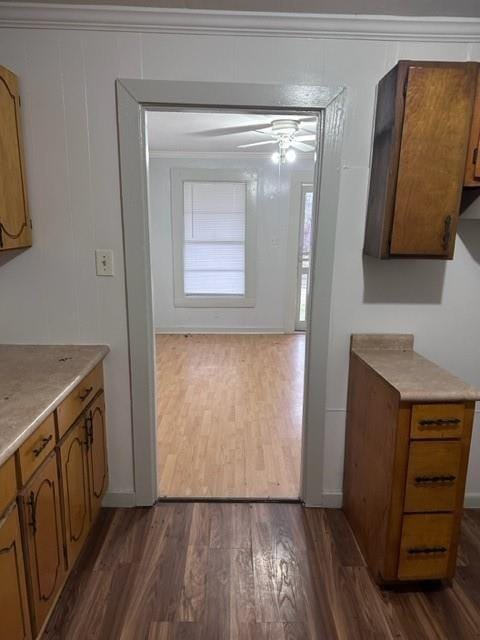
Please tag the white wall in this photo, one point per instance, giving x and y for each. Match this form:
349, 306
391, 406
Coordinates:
275, 298
50, 293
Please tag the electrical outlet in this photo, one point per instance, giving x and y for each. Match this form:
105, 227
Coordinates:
104, 262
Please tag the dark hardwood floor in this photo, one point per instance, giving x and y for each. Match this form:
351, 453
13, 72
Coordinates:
251, 572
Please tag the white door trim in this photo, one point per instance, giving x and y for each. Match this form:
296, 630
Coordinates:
133, 98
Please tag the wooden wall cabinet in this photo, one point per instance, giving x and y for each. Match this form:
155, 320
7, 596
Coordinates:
422, 132
15, 224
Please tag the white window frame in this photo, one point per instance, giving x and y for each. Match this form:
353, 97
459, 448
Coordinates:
178, 178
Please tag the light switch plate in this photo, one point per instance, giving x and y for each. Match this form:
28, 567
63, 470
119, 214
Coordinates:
104, 262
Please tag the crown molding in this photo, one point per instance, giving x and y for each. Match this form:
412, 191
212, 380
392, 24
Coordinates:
237, 23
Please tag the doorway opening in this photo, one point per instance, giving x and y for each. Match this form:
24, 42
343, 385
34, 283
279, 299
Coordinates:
134, 98
225, 243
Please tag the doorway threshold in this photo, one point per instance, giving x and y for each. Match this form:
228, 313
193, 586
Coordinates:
233, 500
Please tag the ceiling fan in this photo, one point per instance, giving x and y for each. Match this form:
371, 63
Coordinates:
288, 135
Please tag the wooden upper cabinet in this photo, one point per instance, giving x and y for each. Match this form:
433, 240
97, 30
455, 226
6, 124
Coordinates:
472, 168
422, 130
15, 226
97, 454
40, 506
15, 618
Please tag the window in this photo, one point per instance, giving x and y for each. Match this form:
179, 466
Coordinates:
213, 237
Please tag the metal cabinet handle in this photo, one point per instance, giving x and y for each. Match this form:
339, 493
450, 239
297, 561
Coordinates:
33, 514
83, 396
447, 232
441, 422
434, 479
43, 443
420, 550
89, 429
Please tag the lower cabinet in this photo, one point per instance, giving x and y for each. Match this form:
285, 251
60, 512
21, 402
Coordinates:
15, 619
51, 491
97, 453
75, 488
43, 539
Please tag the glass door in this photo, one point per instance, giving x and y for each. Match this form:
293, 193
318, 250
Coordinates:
304, 245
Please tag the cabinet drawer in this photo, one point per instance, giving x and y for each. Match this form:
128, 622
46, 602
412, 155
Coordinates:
8, 483
437, 421
425, 546
432, 476
75, 403
34, 450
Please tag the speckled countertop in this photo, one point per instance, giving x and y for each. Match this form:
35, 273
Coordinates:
414, 377
34, 379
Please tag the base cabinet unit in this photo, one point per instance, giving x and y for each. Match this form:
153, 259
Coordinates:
43, 538
51, 489
75, 488
422, 133
97, 453
15, 226
15, 617
405, 461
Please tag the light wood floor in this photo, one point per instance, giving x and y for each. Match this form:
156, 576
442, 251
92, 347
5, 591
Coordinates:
252, 572
229, 415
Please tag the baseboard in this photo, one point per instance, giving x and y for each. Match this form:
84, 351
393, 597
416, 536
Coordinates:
119, 500
472, 501
221, 330
334, 499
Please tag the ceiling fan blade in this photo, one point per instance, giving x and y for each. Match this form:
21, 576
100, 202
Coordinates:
227, 131
256, 144
301, 146
310, 136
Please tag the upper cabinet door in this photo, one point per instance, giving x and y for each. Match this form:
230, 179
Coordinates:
472, 168
15, 228
422, 130
436, 127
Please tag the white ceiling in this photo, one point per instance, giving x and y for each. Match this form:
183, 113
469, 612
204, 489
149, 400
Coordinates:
382, 7
208, 132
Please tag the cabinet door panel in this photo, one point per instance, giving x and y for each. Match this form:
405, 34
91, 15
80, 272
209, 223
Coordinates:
436, 126
74, 472
97, 454
41, 512
15, 229
15, 621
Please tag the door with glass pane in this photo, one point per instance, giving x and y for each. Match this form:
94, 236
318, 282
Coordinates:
304, 256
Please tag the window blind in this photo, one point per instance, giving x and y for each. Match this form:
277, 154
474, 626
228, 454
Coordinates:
214, 238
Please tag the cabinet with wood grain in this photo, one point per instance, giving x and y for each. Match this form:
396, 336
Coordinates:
421, 138
15, 224
409, 426
15, 617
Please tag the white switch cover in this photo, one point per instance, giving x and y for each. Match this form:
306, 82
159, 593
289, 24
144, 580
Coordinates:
104, 262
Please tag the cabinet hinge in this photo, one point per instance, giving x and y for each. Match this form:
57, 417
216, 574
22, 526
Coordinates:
31, 225
405, 87
475, 156
65, 557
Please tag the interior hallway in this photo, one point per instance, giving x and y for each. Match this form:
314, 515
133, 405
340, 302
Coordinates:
229, 415
251, 572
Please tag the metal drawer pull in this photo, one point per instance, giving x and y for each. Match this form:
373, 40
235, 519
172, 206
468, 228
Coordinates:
43, 443
419, 550
83, 396
434, 479
440, 422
